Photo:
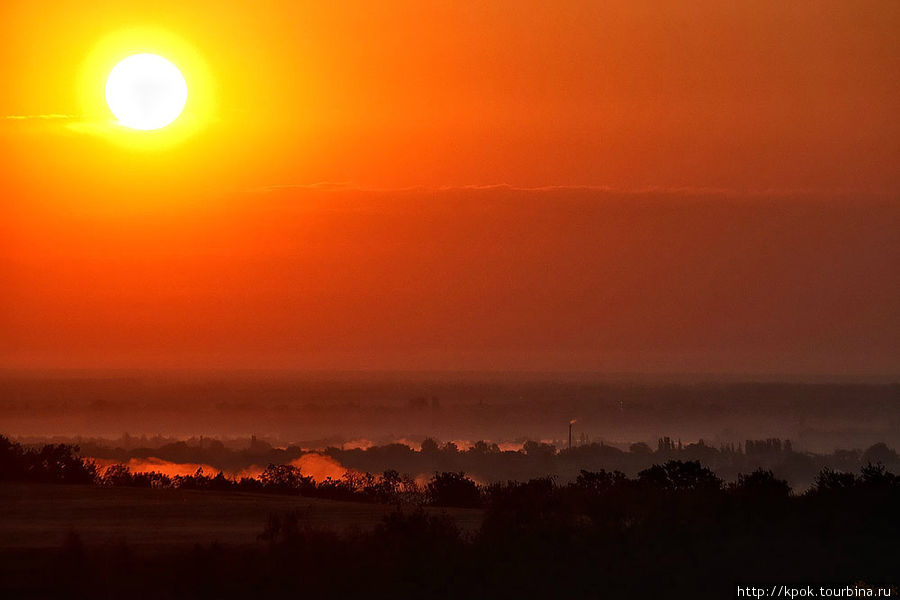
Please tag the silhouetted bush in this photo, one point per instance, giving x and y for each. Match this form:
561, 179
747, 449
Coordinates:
760, 485
285, 479
830, 481
453, 489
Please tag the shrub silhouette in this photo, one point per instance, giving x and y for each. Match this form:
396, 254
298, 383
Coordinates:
760, 485
680, 476
830, 481
453, 489
285, 479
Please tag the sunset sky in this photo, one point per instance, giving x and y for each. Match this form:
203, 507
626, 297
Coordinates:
573, 185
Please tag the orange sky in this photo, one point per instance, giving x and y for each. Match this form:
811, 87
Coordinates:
530, 132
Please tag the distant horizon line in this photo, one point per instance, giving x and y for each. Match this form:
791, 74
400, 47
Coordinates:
466, 374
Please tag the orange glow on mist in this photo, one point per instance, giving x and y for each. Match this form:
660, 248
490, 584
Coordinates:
146, 465
319, 466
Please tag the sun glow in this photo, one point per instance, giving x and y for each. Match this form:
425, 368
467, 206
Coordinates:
146, 92
145, 89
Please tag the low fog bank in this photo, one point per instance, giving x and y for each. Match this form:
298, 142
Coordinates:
360, 411
484, 462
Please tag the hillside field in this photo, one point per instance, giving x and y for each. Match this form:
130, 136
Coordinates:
40, 516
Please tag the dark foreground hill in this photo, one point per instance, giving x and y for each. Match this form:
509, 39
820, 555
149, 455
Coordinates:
675, 531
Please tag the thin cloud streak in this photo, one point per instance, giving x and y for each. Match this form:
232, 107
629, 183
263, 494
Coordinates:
47, 117
345, 186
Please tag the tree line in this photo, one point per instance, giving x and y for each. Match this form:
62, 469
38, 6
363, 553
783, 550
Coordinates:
61, 463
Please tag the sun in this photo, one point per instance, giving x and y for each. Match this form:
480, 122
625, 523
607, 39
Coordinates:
146, 92
146, 89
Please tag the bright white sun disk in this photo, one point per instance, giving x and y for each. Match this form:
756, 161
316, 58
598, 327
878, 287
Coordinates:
146, 91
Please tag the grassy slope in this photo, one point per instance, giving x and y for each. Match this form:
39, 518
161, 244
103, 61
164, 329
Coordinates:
39, 516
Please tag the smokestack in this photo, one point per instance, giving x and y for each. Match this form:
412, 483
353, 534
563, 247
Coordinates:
572, 422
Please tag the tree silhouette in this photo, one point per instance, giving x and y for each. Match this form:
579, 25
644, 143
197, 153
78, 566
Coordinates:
453, 489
